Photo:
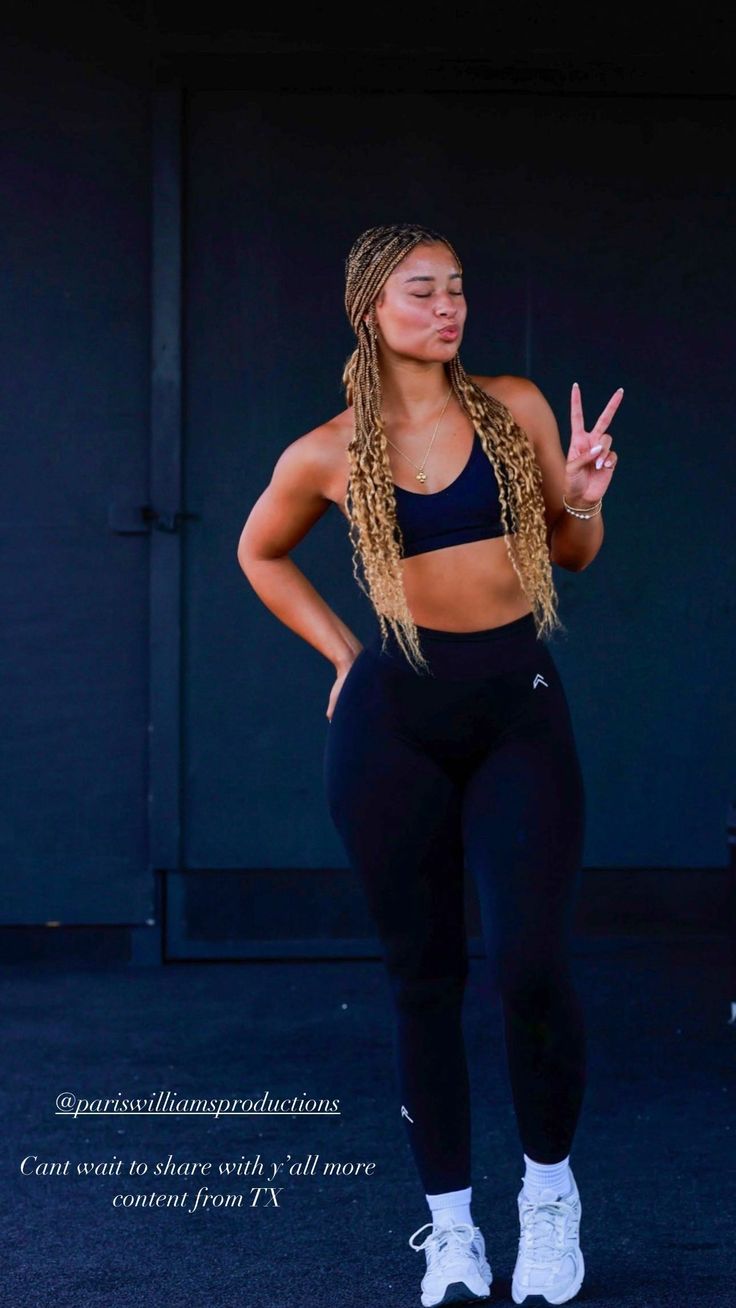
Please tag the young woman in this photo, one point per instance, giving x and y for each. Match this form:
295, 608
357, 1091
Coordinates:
450, 742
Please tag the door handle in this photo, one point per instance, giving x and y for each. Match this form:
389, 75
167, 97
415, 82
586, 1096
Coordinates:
138, 519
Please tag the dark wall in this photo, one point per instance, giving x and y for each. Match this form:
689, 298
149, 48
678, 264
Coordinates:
592, 201
595, 236
74, 325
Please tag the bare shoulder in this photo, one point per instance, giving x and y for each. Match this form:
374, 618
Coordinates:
318, 452
524, 399
303, 484
520, 394
534, 415
322, 453
333, 438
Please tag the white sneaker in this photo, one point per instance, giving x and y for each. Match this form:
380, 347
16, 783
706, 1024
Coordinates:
457, 1268
550, 1261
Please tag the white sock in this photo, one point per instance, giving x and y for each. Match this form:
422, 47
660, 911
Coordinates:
453, 1206
540, 1176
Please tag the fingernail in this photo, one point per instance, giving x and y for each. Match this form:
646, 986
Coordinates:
596, 448
599, 462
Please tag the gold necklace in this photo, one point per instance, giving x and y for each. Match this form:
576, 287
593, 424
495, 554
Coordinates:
421, 474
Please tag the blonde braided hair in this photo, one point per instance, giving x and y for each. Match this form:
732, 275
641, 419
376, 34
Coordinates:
374, 531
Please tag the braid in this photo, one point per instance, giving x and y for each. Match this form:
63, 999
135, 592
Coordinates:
374, 532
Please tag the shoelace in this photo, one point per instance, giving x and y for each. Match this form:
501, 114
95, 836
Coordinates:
542, 1229
451, 1243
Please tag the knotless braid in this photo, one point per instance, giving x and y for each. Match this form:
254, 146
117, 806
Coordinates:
370, 504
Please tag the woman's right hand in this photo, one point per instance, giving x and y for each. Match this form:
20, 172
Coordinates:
337, 687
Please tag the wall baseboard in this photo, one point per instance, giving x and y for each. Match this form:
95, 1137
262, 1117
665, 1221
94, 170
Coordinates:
250, 914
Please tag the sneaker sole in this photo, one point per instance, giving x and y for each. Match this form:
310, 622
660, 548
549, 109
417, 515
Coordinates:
458, 1292
537, 1298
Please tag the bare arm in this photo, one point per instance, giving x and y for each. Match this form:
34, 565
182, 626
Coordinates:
280, 518
574, 542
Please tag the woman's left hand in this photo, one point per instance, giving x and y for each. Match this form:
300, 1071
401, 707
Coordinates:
585, 482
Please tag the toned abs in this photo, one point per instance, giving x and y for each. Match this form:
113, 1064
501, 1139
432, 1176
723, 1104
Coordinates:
467, 587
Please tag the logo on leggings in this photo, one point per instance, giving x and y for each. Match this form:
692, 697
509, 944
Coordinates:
406, 1115
539, 679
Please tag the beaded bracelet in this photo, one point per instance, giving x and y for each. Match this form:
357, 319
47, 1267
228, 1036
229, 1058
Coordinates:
583, 513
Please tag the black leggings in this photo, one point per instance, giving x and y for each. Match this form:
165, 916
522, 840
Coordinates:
474, 766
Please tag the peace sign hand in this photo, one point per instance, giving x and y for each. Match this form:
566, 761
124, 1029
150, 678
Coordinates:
590, 459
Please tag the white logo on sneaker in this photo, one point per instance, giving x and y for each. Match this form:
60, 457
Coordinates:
539, 679
406, 1115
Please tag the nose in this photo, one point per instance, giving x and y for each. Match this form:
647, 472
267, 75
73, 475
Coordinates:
444, 308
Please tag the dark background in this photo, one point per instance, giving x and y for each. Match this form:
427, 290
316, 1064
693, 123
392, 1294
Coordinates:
177, 207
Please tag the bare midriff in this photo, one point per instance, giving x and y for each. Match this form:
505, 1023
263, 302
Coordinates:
468, 587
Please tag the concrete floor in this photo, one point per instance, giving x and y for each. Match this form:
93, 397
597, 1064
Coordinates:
654, 1155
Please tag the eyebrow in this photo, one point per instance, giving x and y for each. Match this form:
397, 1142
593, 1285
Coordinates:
427, 279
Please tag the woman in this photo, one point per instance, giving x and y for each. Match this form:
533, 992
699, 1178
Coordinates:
450, 742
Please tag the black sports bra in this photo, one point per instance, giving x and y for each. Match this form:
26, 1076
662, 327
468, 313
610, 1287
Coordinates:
468, 509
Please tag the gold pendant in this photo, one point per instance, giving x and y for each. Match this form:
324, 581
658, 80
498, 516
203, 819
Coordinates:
421, 476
